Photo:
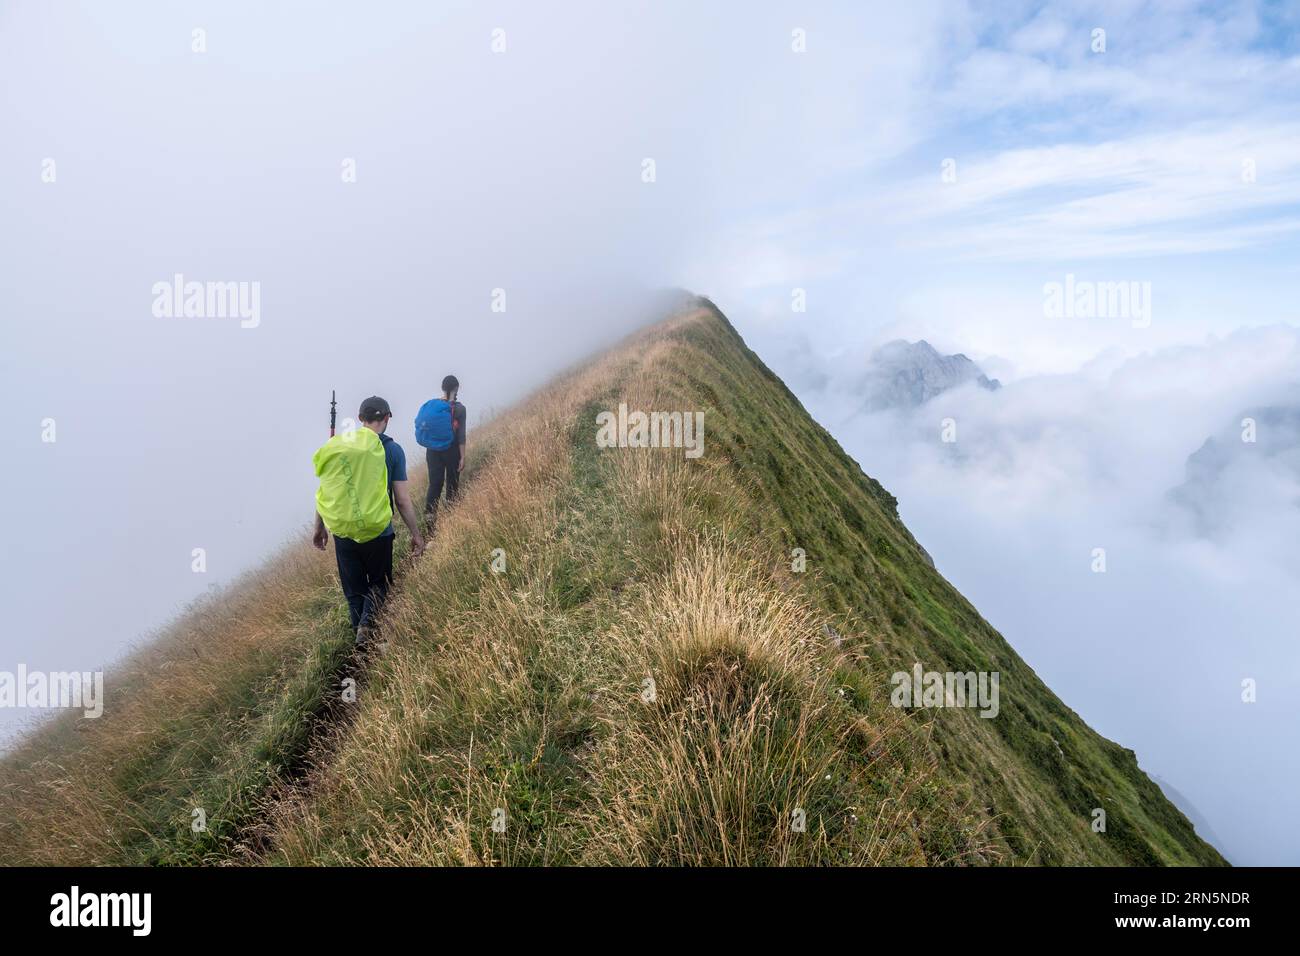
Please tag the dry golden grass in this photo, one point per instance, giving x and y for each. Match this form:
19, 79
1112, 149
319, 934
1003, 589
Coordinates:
712, 769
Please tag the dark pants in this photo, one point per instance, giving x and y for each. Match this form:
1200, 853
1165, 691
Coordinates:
444, 465
365, 571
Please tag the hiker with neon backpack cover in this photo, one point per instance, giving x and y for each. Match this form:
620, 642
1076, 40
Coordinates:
440, 429
362, 480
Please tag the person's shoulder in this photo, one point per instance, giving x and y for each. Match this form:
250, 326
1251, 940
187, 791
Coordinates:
392, 448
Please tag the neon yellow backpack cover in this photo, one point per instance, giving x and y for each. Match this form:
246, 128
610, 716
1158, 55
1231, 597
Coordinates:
353, 495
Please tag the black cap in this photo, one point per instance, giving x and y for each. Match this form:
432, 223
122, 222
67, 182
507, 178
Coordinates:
373, 409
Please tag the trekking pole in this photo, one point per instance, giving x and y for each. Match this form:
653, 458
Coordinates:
333, 411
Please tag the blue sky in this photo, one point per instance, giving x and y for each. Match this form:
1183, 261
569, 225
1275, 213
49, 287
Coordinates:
1120, 164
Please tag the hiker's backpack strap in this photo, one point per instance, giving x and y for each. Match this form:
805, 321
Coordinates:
392, 502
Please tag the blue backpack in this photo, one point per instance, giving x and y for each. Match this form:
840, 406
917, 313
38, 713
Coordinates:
435, 424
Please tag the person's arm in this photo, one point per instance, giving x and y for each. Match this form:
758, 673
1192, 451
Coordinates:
404, 507
320, 537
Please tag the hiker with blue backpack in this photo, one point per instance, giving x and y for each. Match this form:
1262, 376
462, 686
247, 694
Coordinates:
362, 476
440, 429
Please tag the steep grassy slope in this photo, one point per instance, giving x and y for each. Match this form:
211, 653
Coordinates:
607, 654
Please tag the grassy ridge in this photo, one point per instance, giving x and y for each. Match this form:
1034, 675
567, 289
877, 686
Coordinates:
205, 718
607, 654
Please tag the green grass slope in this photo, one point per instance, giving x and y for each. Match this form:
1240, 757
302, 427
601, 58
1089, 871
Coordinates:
606, 657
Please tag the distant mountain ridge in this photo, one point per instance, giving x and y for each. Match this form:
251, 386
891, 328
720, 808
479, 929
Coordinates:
904, 374
1220, 470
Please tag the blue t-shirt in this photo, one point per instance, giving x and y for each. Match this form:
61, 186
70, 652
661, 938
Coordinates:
395, 459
